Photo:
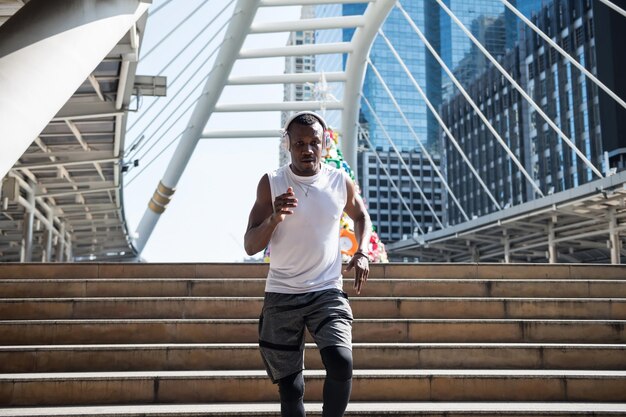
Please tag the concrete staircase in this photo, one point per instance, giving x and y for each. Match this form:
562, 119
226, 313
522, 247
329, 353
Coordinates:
430, 340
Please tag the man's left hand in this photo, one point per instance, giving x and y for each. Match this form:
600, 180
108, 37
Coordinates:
361, 265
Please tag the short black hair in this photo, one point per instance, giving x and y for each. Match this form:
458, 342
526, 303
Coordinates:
306, 120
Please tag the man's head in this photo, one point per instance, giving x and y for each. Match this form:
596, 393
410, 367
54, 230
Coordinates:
304, 136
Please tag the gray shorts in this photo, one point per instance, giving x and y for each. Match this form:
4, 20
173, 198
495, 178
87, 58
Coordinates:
326, 314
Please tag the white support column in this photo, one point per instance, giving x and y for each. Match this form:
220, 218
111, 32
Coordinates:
340, 22
29, 223
552, 251
52, 46
375, 16
297, 50
507, 247
47, 256
615, 240
244, 13
305, 77
68, 248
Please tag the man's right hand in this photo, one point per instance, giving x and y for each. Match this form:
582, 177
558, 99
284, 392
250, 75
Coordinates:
283, 205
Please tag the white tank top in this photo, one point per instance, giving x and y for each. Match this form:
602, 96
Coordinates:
304, 248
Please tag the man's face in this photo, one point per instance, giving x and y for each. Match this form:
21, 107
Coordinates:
305, 148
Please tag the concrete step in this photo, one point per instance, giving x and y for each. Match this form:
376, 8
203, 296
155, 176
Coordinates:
254, 386
240, 270
254, 287
430, 340
46, 332
164, 357
363, 307
355, 409
139, 270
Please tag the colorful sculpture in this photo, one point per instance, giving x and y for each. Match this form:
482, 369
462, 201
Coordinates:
347, 242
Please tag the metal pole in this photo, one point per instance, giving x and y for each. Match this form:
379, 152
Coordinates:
49, 232
29, 219
614, 238
552, 252
507, 247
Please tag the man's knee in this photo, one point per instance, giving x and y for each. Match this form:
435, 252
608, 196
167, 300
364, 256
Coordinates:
338, 362
291, 388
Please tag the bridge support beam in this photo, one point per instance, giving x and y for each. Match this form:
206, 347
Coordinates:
244, 13
552, 251
507, 247
68, 248
74, 36
614, 238
29, 223
47, 256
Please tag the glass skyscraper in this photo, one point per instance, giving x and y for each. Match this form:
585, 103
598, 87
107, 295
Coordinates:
564, 94
330, 62
395, 29
488, 20
495, 27
411, 103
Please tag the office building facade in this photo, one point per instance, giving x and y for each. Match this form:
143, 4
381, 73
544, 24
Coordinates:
488, 22
502, 105
563, 92
387, 209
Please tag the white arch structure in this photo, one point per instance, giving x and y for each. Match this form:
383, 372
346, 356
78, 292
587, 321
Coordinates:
84, 226
241, 25
367, 26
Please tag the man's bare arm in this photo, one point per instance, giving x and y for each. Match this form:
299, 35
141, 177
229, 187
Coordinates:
265, 216
355, 208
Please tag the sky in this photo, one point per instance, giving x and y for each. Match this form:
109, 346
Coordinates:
208, 214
